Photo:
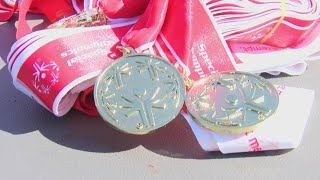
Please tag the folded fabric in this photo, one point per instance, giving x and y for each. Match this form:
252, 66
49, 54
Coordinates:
53, 66
53, 10
7, 10
279, 23
80, 53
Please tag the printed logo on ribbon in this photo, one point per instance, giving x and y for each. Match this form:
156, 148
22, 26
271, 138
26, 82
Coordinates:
45, 75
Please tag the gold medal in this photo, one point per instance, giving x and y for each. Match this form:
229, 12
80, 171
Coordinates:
139, 93
231, 102
87, 18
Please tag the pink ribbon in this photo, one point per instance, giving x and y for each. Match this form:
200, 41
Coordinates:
57, 67
252, 20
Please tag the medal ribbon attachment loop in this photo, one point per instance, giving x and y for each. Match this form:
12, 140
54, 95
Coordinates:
124, 49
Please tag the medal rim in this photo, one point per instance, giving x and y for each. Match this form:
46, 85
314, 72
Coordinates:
231, 129
226, 130
123, 58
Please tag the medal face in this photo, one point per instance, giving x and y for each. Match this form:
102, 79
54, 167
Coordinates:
232, 102
139, 93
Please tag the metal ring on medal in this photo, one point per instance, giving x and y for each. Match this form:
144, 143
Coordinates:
139, 93
232, 102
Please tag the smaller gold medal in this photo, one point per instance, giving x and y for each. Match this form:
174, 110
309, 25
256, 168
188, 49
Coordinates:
231, 102
139, 93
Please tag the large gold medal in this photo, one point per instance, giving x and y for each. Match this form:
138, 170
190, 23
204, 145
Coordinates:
139, 93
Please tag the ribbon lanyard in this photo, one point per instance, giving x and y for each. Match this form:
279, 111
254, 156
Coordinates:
146, 30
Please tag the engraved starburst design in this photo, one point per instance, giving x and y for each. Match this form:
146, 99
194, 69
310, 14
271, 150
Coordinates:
218, 80
172, 87
116, 75
151, 67
141, 92
249, 101
110, 108
143, 103
203, 107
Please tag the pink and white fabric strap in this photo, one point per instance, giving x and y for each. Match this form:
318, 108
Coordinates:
54, 65
279, 23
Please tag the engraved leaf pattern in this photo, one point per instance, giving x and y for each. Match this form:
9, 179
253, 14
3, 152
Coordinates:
153, 68
141, 103
248, 101
116, 75
206, 110
110, 107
